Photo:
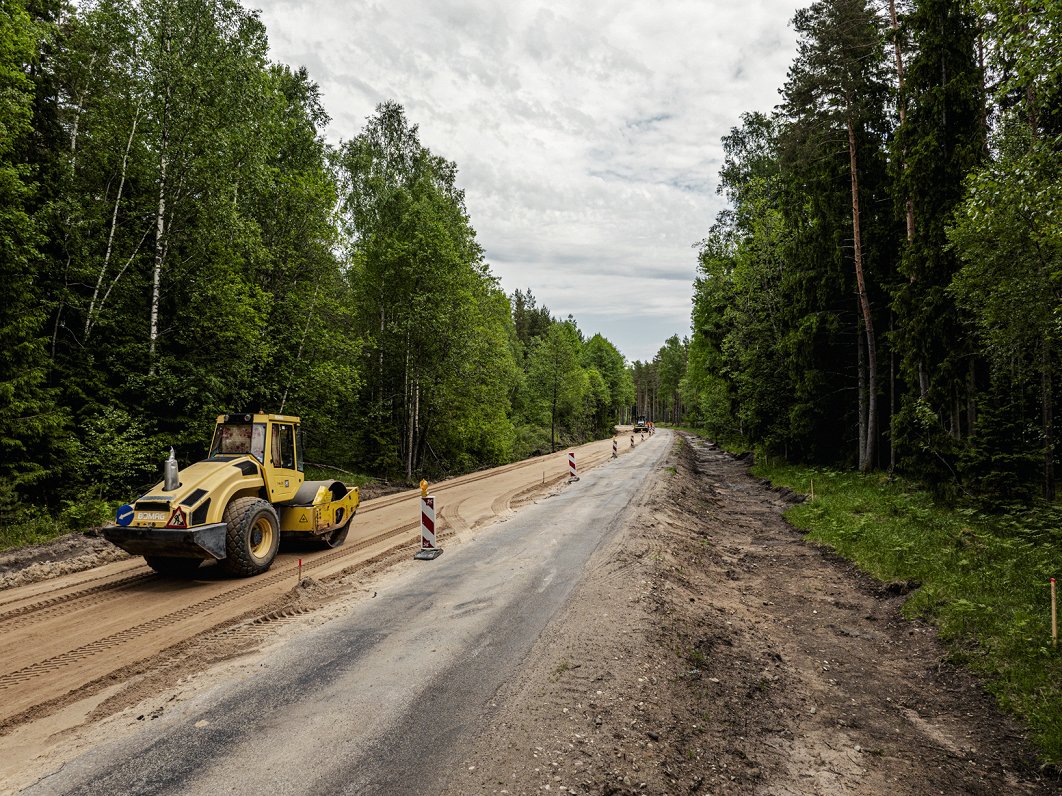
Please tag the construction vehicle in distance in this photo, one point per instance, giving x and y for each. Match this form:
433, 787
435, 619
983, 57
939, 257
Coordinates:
642, 426
234, 505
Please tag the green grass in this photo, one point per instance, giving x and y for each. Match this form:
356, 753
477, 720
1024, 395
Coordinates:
31, 525
26, 529
316, 472
983, 579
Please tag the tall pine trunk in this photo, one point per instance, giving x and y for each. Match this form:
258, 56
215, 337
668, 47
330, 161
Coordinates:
861, 386
892, 400
870, 449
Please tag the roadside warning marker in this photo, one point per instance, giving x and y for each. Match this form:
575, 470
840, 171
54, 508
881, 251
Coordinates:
615, 448
571, 467
428, 549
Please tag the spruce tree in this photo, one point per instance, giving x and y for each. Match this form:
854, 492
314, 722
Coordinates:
942, 140
30, 421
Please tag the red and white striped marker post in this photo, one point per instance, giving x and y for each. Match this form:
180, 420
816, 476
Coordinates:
615, 448
571, 467
428, 548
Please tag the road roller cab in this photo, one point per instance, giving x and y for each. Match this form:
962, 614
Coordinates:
234, 505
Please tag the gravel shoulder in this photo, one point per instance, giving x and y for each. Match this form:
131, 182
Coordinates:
711, 649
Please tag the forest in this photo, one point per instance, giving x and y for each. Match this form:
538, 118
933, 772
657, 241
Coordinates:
178, 240
878, 316
884, 289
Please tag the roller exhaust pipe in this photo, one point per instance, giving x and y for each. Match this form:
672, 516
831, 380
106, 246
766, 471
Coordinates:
171, 479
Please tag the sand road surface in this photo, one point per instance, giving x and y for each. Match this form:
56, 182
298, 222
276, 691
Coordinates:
655, 627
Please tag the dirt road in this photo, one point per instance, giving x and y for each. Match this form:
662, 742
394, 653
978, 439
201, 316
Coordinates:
712, 650
706, 648
373, 701
83, 644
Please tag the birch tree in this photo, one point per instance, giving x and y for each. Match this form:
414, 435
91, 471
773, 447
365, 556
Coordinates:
555, 375
421, 288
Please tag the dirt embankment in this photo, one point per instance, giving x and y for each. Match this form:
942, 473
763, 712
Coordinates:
72, 552
712, 650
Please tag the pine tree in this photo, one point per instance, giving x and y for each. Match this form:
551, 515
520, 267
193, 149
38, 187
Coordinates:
836, 90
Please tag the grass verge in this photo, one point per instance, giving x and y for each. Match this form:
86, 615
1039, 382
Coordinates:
34, 525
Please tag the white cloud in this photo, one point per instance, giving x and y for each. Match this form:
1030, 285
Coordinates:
586, 134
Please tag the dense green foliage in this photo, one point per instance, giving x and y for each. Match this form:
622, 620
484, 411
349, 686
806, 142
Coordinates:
884, 292
30, 421
177, 240
885, 287
981, 578
658, 384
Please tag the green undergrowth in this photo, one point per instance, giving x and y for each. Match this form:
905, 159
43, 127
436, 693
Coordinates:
320, 472
26, 525
982, 578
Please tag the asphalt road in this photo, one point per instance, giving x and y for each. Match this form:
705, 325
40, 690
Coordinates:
381, 700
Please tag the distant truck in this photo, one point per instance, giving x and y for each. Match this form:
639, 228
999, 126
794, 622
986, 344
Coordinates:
642, 426
234, 505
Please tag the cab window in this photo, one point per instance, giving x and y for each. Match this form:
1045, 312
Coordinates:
233, 439
283, 447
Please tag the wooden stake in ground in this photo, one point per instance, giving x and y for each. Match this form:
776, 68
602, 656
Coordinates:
1054, 616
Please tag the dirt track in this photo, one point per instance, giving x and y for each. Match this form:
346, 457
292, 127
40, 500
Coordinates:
712, 650
709, 649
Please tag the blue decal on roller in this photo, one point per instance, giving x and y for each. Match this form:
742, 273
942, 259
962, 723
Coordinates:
125, 515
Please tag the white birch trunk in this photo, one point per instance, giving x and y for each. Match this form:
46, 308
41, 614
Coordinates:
407, 396
160, 233
77, 115
114, 224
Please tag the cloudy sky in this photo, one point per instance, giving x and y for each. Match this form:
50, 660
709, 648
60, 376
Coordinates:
586, 133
